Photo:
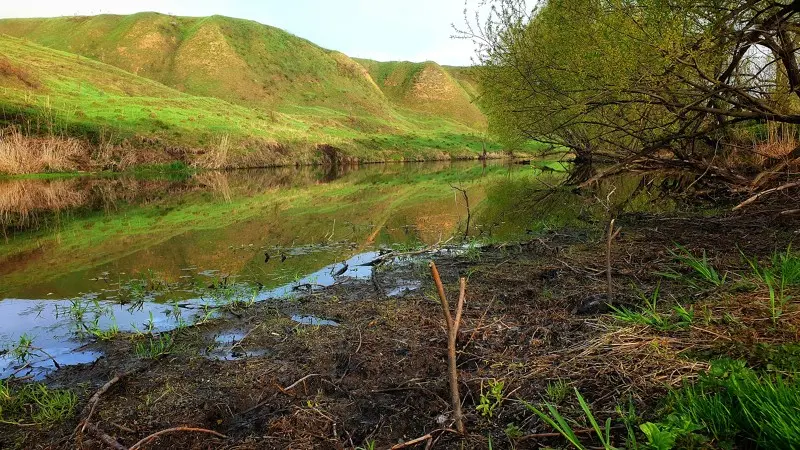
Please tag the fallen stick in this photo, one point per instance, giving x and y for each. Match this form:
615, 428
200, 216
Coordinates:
106, 439
91, 405
611, 236
413, 442
294, 385
767, 192
452, 334
144, 441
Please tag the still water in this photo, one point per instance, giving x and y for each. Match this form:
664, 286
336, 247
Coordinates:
80, 257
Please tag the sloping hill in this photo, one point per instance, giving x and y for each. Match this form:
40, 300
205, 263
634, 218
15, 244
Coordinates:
428, 87
237, 60
222, 92
131, 120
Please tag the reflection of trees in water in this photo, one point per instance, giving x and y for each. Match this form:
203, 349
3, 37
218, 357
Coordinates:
542, 203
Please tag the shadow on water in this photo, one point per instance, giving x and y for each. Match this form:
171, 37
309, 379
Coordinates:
82, 257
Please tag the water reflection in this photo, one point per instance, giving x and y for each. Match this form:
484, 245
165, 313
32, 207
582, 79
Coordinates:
133, 253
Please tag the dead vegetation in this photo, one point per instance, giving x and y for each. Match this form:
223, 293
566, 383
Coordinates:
10, 70
26, 154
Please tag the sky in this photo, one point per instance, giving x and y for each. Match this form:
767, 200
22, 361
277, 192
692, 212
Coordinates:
409, 30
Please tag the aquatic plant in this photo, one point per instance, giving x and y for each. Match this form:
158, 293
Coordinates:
154, 348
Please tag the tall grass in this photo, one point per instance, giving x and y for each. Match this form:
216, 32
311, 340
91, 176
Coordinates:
700, 265
25, 154
554, 418
782, 273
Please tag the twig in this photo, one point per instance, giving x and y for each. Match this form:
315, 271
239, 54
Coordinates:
452, 334
91, 405
106, 439
294, 385
413, 442
469, 212
611, 236
767, 192
144, 441
239, 342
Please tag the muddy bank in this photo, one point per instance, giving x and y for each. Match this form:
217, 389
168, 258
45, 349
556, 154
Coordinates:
365, 361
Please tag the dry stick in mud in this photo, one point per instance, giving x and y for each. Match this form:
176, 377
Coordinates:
452, 333
612, 234
144, 441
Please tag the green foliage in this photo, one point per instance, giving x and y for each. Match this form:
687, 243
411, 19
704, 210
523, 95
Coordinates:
35, 404
513, 431
491, 399
732, 403
561, 425
650, 316
368, 445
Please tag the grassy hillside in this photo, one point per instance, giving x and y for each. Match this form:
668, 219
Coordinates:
428, 87
237, 60
222, 92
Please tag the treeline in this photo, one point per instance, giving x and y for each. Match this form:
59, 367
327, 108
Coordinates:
710, 86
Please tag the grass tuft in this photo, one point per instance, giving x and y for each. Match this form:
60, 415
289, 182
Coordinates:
35, 404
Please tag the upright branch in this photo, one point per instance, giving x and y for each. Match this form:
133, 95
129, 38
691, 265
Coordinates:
452, 334
469, 211
612, 234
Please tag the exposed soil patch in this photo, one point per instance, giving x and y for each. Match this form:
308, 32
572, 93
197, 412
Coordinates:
375, 367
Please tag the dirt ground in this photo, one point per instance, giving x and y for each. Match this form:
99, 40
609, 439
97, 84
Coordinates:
535, 314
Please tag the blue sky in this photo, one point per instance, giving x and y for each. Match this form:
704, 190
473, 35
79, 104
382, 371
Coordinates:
413, 30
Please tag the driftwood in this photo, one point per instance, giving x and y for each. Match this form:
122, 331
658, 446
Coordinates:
452, 334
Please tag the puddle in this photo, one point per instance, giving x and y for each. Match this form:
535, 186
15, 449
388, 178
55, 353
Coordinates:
402, 287
227, 348
59, 327
315, 321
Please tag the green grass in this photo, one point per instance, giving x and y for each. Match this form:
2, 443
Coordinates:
700, 266
35, 404
559, 423
732, 404
154, 348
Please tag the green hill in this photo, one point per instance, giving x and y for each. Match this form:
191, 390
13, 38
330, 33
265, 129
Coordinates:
233, 91
236, 60
428, 87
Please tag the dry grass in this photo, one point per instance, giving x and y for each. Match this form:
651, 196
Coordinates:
25, 154
781, 141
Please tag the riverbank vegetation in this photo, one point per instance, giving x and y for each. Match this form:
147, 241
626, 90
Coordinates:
708, 88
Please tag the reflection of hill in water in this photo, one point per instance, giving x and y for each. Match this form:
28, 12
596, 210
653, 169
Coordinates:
68, 231
226, 221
